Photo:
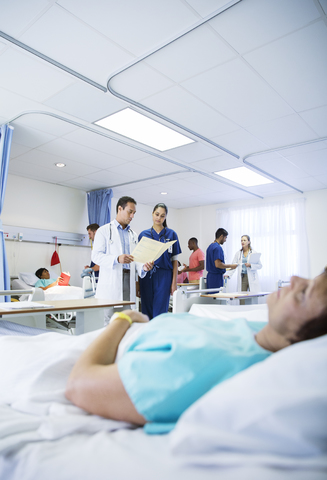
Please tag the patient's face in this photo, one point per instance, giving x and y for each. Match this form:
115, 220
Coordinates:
45, 275
293, 306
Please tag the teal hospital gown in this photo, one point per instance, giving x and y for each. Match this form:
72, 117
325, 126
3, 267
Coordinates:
177, 358
44, 282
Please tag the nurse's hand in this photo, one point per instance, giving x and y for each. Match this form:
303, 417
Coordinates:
148, 266
125, 258
173, 287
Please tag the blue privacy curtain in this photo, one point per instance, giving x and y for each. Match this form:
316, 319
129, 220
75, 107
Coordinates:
5, 144
99, 206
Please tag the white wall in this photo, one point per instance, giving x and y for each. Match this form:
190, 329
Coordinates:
200, 222
35, 204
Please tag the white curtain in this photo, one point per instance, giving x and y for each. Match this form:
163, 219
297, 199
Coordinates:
277, 231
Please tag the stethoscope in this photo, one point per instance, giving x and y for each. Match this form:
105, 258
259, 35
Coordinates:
130, 231
160, 236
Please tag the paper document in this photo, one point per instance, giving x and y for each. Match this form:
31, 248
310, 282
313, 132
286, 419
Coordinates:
22, 305
254, 257
148, 250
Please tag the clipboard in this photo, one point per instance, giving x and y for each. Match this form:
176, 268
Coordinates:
254, 258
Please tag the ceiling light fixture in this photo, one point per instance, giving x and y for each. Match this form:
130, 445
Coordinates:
60, 165
163, 193
244, 176
140, 128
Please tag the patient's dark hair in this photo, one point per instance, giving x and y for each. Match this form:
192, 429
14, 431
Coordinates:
39, 272
123, 201
315, 327
221, 231
93, 227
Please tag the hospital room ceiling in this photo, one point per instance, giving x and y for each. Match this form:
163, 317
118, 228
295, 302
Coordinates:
245, 80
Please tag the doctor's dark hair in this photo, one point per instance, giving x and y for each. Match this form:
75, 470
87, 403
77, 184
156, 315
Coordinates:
161, 205
39, 272
123, 201
221, 231
249, 239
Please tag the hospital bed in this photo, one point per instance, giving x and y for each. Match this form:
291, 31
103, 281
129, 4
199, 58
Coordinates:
268, 422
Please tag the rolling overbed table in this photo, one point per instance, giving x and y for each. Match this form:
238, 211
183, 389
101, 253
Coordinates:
89, 313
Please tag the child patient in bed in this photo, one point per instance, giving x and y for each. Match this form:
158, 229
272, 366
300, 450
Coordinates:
177, 358
45, 281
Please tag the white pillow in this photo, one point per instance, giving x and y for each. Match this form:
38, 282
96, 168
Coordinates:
29, 278
278, 406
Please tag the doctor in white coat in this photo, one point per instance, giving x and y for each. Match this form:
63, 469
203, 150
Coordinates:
111, 251
247, 272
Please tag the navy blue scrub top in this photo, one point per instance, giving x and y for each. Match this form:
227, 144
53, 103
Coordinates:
166, 235
214, 252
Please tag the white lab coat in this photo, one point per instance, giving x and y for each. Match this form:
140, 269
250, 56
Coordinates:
253, 276
105, 251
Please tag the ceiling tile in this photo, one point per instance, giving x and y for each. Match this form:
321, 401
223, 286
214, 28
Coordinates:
158, 164
134, 171
30, 137
17, 15
217, 163
104, 144
139, 81
138, 28
279, 168
18, 167
46, 123
199, 50
241, 142
85, 102
13, 104
314, 163
31, 77
316, 119
308, 183
72, 151
110, 178
253, 23
282, 131
84, 183
43, 159
193, 152
93, 55
207, 7
16, 149
244, 102
187, 110
296, 66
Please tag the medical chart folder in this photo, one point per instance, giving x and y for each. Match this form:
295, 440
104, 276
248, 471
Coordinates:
148, 250
254, 257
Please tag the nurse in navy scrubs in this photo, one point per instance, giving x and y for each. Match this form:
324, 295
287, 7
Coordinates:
157, 286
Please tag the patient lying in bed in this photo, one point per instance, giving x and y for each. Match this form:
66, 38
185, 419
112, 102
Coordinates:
178, 358
45, 281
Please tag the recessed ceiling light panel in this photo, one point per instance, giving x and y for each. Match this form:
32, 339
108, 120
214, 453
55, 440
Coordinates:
143, 129
60, 165
244, 176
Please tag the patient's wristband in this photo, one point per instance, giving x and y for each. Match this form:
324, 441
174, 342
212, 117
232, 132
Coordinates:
123, 316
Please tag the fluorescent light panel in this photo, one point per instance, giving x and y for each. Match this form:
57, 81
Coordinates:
143, 129
244, 176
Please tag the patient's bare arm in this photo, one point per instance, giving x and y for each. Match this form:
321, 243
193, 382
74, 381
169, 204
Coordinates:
94, 383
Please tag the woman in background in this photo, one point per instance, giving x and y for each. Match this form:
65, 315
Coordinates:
157, 286
247, 275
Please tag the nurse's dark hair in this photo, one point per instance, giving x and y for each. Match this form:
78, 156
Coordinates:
161, 205
249, 239
221, 231
123, 201
39, 272
315, 327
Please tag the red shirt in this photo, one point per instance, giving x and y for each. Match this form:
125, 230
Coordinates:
195, 262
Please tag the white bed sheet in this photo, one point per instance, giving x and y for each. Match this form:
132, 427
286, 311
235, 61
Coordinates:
255, 313
43, 436
53, 293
